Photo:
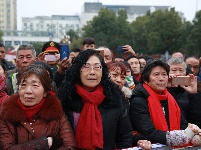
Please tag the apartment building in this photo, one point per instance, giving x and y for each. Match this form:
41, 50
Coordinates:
55, 26
8, 16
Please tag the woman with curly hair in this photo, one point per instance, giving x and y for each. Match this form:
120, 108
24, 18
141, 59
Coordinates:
94, 105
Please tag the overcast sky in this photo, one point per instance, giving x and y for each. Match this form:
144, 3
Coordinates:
31, 8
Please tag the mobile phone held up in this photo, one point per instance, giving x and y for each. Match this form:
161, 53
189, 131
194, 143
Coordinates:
120, 49
50, 58
64, 51
181, 80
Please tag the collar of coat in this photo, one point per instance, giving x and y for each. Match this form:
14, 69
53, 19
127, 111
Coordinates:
12, 112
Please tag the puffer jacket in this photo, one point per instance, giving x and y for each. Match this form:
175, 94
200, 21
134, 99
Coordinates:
16, 133
141, 120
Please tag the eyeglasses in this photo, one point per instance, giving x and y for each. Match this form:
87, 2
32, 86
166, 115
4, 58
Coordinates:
88, 67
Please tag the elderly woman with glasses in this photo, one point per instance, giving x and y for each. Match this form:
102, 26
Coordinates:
94, 105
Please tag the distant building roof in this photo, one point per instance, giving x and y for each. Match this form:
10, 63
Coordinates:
94, 7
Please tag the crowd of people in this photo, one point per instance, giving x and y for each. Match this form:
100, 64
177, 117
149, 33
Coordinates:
94, 100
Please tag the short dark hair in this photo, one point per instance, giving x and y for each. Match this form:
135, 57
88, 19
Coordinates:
131, 56
1, 45
75, 50
88, 40
152, 63
40, 72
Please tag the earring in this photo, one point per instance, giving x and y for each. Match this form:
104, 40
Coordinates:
45, 95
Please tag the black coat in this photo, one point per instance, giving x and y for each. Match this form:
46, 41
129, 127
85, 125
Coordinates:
194, 109
140, 117
189, 104
7, 65
117, 129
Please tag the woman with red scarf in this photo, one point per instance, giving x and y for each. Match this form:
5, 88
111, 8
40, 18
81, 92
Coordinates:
33, 118
154, 111
94, 105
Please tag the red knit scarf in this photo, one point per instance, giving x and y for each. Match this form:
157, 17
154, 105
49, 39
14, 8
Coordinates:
156, 112
89, 131
30, 112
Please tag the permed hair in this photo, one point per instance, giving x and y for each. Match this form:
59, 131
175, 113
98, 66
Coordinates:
152, 63
72, 77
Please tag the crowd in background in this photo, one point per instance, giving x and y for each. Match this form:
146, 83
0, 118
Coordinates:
96, 99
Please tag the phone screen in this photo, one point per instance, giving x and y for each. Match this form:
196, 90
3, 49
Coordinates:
50, 58
64, 51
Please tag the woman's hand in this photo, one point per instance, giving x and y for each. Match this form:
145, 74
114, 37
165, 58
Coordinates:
192, 88
146, 145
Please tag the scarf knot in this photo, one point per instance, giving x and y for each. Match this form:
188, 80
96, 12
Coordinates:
89, 131
156, 111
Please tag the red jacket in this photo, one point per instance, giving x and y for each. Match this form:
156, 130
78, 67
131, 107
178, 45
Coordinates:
16, 133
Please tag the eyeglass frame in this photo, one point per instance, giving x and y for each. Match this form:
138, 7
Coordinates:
89, 67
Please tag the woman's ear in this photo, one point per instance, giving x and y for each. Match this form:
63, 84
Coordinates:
145, 82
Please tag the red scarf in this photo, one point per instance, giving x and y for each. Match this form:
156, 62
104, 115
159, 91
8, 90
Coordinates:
30, 112
89, 131
156, 112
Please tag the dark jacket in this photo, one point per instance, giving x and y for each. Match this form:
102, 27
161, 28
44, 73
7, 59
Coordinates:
16, 133
140, 116
182, 98
7, 65
117, 129
194, 111
189, 104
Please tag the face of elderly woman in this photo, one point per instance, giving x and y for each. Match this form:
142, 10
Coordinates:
158, 79
91, 73
31, 91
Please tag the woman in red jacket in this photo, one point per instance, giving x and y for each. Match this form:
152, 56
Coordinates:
33, 118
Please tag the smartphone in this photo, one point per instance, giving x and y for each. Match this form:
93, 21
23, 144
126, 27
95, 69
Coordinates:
101, 52
50, 58
181, 80
120, 49
64, 51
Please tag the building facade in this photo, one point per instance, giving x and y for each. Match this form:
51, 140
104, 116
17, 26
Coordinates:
55, 26
45, 28
8, 16
90, 10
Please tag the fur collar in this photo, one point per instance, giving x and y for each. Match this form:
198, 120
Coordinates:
12, 112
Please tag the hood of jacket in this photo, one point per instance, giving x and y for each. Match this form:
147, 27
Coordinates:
12, 112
